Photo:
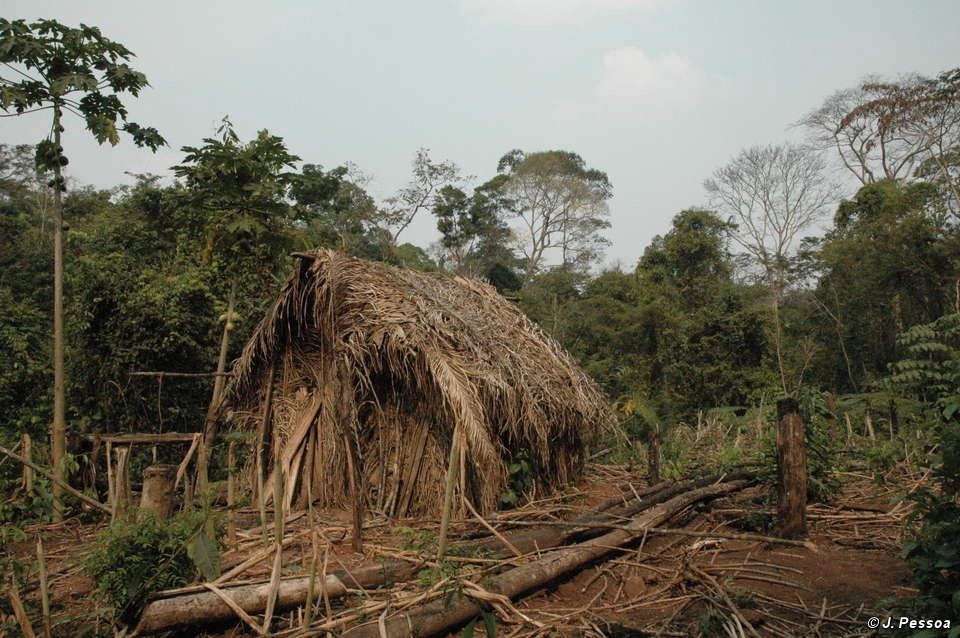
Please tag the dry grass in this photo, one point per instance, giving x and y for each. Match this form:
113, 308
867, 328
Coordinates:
395, 360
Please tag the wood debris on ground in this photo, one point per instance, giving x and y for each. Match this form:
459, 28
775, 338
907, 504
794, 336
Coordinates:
704, 571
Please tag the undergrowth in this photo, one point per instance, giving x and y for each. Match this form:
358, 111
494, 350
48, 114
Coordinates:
141, 553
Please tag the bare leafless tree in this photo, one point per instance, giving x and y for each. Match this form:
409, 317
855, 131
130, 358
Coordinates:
868, 145
429, 178
903, 129
772, 194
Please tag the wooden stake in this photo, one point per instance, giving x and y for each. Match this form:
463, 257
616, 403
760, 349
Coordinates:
111, 486
355, 495
452, 466
868, 422
791, 471
278, 476
26, 449
832, 416
653, 456
122, 482
894, 419
44, 588
231, 497
258, 452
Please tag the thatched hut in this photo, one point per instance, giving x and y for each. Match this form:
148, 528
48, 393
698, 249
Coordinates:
365, 366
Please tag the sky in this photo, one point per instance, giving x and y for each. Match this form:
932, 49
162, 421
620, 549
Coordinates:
656, 93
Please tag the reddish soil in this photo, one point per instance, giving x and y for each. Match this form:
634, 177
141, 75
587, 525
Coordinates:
659, 588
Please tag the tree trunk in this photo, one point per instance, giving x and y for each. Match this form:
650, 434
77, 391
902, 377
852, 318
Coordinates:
58, 428
791, 471
778, 335
158, 495
210, 422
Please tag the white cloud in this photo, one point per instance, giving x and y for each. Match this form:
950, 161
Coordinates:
633, 82
539, 13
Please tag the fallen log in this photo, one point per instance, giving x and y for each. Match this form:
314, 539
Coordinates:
205, 607
210, 607
440, 617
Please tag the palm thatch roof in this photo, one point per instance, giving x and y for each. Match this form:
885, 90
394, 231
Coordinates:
360, 364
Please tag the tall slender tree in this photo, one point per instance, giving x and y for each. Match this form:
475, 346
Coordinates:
64, 70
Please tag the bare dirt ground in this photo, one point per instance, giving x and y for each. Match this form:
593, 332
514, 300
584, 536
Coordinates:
713, 584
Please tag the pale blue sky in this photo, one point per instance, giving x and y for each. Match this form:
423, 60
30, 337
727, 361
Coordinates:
657, 93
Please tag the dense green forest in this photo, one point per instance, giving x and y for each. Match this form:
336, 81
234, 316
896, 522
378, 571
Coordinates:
830, 265
739, 299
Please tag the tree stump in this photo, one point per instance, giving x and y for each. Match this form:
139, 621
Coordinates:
791, 471
158, 494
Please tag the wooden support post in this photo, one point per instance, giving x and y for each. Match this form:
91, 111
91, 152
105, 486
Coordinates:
231, 496
894, 419
868, 423
791, 471
158, 492
121, 482
26, 449
355, 495
653, 456
111, 486
452, 467
44, 588
258, 464
832, 415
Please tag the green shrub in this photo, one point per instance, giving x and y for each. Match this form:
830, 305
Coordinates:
932, 551
140, 554
521, 478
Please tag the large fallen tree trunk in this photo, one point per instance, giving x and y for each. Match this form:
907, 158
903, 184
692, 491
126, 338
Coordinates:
206, 607
440, 617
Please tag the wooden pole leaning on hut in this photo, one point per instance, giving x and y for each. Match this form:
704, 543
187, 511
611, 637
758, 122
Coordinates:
791, 471
452, 465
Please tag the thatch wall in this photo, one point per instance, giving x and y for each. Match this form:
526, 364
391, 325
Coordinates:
388, 362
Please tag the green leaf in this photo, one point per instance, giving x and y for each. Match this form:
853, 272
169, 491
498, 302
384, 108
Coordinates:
490, 624
203, 551
468, 630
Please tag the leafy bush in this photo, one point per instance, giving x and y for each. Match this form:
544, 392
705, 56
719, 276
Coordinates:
930, 370
521, 478
932, 551
141, 553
